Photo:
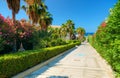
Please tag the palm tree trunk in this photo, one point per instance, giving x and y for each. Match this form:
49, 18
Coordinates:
15, 41
13, 17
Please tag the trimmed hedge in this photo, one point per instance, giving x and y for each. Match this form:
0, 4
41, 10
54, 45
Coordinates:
12, 64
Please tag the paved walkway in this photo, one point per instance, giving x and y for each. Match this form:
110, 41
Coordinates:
83, 62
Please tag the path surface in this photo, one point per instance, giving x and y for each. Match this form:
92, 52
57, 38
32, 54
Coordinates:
83, 62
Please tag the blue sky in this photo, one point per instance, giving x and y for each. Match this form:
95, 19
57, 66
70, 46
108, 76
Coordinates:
85, 13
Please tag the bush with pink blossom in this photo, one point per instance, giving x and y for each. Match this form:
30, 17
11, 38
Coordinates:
21, 31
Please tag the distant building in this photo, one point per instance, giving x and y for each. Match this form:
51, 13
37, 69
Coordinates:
55, 26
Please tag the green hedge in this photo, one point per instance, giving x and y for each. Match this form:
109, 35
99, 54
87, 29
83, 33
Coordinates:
11, 64
110, 54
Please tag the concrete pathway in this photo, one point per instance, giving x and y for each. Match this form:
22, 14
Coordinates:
83, 62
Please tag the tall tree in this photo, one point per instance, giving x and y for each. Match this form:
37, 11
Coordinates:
70, 28
34, 8
81, 32
63, 30
45, 20
37, 12
14, 5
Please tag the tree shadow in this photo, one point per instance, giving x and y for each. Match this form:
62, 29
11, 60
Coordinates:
56, 61
49, 65
58, 77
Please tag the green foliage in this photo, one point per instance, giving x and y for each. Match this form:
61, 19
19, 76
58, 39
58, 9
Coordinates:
48, 42
68, 27
11, 64
58, 42
107, 39
1, 44
90, 39
4, 48
41, 44
80, 31
48, 39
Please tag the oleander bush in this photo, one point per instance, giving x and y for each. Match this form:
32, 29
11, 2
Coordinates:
11, 64
22, 33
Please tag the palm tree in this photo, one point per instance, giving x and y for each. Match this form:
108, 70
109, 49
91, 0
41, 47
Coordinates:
81, 32
31, 2
63, 30
32, 12
34, 8
14, 5
45, 20
70, 28
50, 29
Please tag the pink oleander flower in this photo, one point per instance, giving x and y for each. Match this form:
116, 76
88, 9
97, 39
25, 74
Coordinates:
0, 33
9, 21
2, 19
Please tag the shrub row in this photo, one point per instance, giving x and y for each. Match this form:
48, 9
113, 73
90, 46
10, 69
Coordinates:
110, 54
107, 39
11, 64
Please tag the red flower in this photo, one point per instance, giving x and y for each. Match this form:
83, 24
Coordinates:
103, 24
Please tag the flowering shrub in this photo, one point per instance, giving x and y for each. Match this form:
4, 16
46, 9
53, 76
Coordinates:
1, 19
21, 31
25, 34
6, 34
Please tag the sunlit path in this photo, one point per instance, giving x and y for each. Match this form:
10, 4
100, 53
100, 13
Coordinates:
82, 62
38, 39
